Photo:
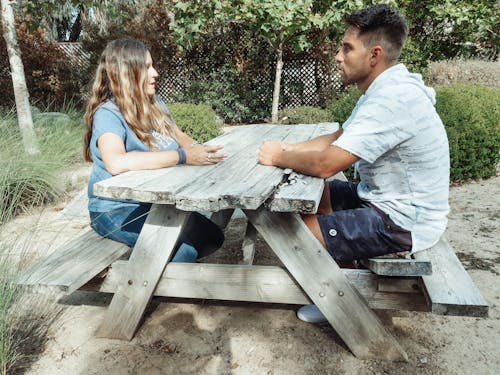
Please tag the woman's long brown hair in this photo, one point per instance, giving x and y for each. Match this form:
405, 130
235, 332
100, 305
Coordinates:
122, 75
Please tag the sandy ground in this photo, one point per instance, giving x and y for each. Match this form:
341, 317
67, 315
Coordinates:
217, 337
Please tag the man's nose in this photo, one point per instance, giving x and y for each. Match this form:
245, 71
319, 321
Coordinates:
338, 56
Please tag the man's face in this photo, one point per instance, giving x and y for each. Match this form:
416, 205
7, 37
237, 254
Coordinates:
353, 59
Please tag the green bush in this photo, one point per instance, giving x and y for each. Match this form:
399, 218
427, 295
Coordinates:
197, 120
305, 115
341, 107
471, 115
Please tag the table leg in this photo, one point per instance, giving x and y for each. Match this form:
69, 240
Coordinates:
145, 266
325, 284
222, 217
248, 246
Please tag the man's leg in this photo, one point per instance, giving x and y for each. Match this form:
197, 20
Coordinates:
310, 313
342, 192
350, 229
325, 207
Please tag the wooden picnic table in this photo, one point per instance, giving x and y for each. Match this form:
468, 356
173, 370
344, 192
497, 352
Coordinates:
272, 202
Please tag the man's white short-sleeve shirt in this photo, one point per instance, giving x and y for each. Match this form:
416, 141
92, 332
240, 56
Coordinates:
404, 162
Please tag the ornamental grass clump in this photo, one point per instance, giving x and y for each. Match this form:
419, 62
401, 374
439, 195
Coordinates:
9, 293
471, 115
27, 181
25, 317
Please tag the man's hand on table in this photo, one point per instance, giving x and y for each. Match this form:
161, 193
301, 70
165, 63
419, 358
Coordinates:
269, 151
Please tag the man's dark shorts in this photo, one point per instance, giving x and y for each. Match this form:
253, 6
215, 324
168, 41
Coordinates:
358, 230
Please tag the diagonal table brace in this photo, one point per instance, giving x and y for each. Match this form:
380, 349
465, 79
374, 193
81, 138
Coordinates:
145, 266
325, 284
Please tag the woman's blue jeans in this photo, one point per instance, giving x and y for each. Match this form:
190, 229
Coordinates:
124, 225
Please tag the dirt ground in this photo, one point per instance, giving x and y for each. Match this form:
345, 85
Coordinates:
218, 337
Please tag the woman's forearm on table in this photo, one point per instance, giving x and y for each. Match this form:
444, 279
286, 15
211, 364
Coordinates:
139, 160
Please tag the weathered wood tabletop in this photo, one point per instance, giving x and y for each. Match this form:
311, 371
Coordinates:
239, 182
272, 199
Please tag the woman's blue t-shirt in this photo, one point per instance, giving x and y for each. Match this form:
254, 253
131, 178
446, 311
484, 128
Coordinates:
108, 119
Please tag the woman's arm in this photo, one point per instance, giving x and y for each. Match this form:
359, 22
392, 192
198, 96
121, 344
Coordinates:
117, 160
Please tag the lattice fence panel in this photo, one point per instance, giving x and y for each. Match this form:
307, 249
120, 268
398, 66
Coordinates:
305, 81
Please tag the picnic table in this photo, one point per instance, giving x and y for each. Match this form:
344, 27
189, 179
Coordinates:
272, 200
272, 205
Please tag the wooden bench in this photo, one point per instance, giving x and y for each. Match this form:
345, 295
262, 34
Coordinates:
73, 264
434, 281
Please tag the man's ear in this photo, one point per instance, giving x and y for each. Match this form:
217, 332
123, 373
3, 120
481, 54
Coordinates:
376, 55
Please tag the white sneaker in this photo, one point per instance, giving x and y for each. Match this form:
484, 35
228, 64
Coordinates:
311, 314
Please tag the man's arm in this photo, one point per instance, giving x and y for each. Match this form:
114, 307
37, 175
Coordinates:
324, 163
316, 144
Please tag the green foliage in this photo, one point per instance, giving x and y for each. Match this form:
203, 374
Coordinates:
305, 115
50, 77
235, 94
281, 24
197, 120
277, 21
471, 115
450, 28
342, 106
27, 181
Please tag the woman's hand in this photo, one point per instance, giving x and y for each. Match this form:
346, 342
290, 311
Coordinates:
197, 154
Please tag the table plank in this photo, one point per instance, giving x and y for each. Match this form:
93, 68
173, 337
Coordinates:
321, 278
146, 264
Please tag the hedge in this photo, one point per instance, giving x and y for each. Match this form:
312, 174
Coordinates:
197, 120
471, 115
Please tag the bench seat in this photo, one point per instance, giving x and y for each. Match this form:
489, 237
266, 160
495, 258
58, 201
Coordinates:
73, 264
449, 289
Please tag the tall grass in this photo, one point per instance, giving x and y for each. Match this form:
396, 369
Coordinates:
27, 181
9, 293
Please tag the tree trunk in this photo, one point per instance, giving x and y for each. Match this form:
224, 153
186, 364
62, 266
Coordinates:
277, 82
18, 79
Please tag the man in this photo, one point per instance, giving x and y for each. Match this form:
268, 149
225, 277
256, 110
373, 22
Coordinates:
397, 143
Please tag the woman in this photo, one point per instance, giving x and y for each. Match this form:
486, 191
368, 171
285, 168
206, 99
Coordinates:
130, 128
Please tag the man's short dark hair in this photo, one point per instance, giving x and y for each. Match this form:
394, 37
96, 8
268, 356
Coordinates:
382, 25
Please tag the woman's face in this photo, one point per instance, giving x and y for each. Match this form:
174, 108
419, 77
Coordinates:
152, 74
